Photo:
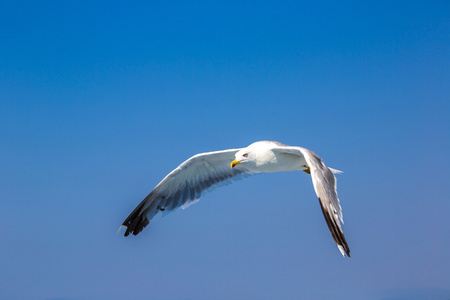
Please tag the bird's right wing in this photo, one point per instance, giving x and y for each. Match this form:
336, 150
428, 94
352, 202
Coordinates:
325, 186
184, 186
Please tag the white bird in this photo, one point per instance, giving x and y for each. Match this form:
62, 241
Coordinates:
202, 172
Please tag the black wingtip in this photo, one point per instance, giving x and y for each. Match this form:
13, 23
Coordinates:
137, 220
136, 225
335, 230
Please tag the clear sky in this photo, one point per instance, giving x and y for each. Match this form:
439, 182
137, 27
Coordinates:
99, 100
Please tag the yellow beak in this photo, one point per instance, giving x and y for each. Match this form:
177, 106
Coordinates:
234, 163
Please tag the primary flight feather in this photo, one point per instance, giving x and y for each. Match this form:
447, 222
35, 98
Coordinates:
184, 185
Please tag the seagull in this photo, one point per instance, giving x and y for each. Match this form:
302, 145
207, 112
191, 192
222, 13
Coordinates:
206, 171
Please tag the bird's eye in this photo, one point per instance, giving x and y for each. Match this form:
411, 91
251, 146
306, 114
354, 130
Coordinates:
245, 155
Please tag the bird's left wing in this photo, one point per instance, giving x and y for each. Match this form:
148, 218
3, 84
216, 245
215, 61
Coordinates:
325, 186
184, 186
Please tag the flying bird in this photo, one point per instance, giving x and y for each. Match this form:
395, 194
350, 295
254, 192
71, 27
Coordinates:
205, 171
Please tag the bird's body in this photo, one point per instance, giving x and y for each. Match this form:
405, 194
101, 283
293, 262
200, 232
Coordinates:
184, 185
266, 160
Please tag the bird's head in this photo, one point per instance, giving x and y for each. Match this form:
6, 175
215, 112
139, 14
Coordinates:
240, 157
255, 155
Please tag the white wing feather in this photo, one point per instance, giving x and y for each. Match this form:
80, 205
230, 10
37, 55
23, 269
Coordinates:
185, 185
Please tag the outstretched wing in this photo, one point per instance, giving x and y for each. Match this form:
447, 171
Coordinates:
325, 186
184, 186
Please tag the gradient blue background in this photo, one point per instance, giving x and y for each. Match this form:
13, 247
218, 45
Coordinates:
100, 100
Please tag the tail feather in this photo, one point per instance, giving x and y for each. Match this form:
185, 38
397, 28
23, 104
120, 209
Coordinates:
334, 171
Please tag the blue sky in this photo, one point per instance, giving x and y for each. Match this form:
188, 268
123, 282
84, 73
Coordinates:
100, 100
